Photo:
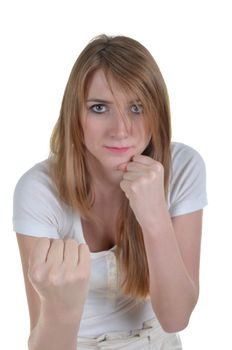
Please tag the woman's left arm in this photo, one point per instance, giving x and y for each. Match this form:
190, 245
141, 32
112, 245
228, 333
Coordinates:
173, 254
172, 244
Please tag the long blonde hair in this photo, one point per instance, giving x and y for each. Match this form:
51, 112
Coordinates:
134, 68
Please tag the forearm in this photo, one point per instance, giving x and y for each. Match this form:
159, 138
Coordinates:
172, 291
54, 331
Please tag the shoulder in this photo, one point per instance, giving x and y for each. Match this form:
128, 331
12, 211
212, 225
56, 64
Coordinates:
187, 187
181, 152
36, 204
35, 188
37, 175
37, 184
185, 161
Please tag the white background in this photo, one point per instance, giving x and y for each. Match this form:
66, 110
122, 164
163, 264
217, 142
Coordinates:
191, 43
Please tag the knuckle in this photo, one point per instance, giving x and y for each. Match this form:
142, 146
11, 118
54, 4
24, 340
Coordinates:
159, 167
85, 248
54, 279
71, 241
83, 275
44, 240
134, 187
151, 174
70, 278
36, 274
75, 276
58, 241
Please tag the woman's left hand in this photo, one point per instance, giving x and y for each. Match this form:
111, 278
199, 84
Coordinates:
143, 184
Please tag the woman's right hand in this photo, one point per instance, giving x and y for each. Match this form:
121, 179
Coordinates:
59, 271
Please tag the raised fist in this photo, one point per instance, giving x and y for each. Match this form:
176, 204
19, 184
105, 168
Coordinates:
59, 271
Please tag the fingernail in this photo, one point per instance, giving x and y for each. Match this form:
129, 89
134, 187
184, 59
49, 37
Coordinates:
122, 166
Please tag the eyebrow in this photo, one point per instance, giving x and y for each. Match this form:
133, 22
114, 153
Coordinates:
110, 102
98, 100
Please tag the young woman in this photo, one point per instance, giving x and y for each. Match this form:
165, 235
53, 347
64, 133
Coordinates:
109, 226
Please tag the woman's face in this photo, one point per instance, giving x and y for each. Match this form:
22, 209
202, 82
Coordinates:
113, 123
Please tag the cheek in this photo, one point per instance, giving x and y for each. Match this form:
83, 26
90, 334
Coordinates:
92, 136
148, 137
88, 129
143, 133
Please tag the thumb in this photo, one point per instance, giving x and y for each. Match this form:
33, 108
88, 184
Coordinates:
122, 166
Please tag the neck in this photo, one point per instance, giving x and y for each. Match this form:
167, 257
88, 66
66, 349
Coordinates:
106, 182
106, 192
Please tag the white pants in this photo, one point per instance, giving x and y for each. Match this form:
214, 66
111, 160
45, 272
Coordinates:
151, 336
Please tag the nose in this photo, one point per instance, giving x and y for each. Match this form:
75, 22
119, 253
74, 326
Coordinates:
120, 126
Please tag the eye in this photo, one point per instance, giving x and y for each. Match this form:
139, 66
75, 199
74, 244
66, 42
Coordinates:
137, 109
98, 108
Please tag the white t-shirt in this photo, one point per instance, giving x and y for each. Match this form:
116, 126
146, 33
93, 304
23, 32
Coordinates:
38, 211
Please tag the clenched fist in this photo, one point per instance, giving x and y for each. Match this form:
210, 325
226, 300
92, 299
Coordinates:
59, 271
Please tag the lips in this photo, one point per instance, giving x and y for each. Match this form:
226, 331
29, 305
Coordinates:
117, 149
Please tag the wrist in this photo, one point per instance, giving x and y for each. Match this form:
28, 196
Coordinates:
156, 220
54, 330
57, 314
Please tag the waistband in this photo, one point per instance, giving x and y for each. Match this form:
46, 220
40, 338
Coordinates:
151, 332
149, 328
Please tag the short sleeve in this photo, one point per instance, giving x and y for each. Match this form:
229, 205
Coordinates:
188, 181
35, 211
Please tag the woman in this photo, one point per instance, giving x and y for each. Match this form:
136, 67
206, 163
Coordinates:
109, 226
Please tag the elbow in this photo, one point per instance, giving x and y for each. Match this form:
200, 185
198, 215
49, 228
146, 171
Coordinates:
176, 320
174, 326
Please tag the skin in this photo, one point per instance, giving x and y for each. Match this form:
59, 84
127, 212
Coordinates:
59, 270
174, 286
56, 272
116, 122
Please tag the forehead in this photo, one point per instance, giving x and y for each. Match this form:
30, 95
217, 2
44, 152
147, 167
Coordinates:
108, 88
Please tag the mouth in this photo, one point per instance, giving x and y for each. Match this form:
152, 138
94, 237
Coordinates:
117, 149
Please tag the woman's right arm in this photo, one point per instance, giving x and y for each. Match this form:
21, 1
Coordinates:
56, 274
